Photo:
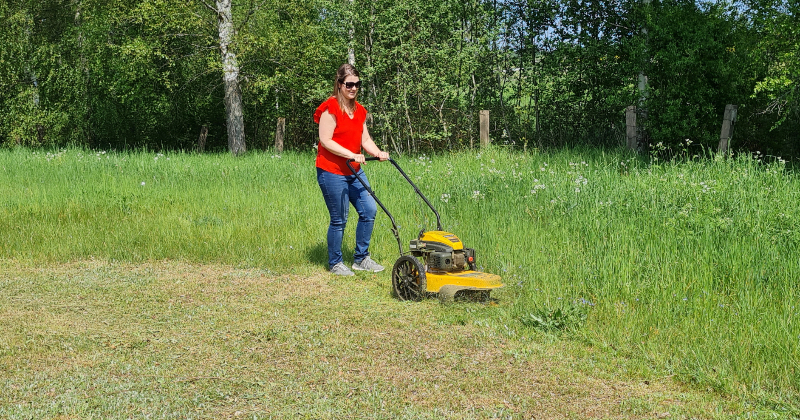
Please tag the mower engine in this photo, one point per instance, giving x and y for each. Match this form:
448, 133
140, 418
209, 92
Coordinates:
442, 251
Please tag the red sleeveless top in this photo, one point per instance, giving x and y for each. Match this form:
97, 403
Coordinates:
347, 134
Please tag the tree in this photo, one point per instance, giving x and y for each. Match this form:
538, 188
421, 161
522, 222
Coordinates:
230, 77
778, 24
146, 73
695, 69
289, 52
42, 84
427, 67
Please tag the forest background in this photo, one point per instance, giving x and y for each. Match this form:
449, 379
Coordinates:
120, 74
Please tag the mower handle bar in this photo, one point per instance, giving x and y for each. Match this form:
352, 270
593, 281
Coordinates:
385, 210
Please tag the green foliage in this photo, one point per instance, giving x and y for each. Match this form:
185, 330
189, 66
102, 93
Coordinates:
156, 76
778, 22
290, 51
585, 71
147, 74
698, 64
30, 68
775, 102
428, 68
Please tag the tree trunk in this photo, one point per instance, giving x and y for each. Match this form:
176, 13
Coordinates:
230, 75
351, 55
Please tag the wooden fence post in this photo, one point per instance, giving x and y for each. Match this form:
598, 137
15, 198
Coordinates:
727, 128
484, 116
630, 128
201, 141
279, 132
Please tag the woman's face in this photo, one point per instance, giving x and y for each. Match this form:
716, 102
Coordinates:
351, 92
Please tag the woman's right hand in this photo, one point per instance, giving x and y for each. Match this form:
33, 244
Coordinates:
358, 158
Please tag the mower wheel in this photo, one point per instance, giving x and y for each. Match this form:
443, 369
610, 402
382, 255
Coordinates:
408, 279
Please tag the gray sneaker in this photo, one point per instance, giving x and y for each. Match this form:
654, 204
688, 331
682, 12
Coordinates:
368, 265
341, 270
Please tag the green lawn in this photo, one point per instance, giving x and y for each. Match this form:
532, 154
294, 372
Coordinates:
618, 271
168, 339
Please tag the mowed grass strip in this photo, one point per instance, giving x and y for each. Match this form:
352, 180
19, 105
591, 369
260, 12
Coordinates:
168, 339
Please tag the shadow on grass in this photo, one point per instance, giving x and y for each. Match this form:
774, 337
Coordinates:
318, 254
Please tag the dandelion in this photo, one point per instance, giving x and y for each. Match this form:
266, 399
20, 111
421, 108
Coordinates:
143, 183
445, 197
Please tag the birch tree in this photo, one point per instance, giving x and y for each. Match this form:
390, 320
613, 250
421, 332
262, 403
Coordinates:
234, 115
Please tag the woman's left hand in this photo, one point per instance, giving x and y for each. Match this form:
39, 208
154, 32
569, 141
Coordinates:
382, 156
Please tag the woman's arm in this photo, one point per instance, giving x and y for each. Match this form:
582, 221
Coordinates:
370, 147
327, 123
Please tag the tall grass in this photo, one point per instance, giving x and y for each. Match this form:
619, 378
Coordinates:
140, 206
690, 267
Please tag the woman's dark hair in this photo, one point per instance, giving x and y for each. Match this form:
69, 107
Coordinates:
344, 71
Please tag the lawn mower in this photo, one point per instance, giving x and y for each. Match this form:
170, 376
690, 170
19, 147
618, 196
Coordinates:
437, 262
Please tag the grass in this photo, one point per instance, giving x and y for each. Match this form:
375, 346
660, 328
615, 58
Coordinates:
175, 340
682, 270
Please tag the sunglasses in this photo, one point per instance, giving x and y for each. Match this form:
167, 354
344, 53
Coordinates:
351, 85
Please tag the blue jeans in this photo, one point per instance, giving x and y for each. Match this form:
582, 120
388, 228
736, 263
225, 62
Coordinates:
338, 190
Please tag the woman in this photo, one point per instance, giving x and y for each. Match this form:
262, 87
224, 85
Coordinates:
342, 134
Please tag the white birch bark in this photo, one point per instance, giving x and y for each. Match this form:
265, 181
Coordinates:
230, 76
351, 55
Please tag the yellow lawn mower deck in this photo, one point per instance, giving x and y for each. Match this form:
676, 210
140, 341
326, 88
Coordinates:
437, 261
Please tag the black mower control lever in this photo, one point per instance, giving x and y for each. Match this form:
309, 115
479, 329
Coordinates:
394, 225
